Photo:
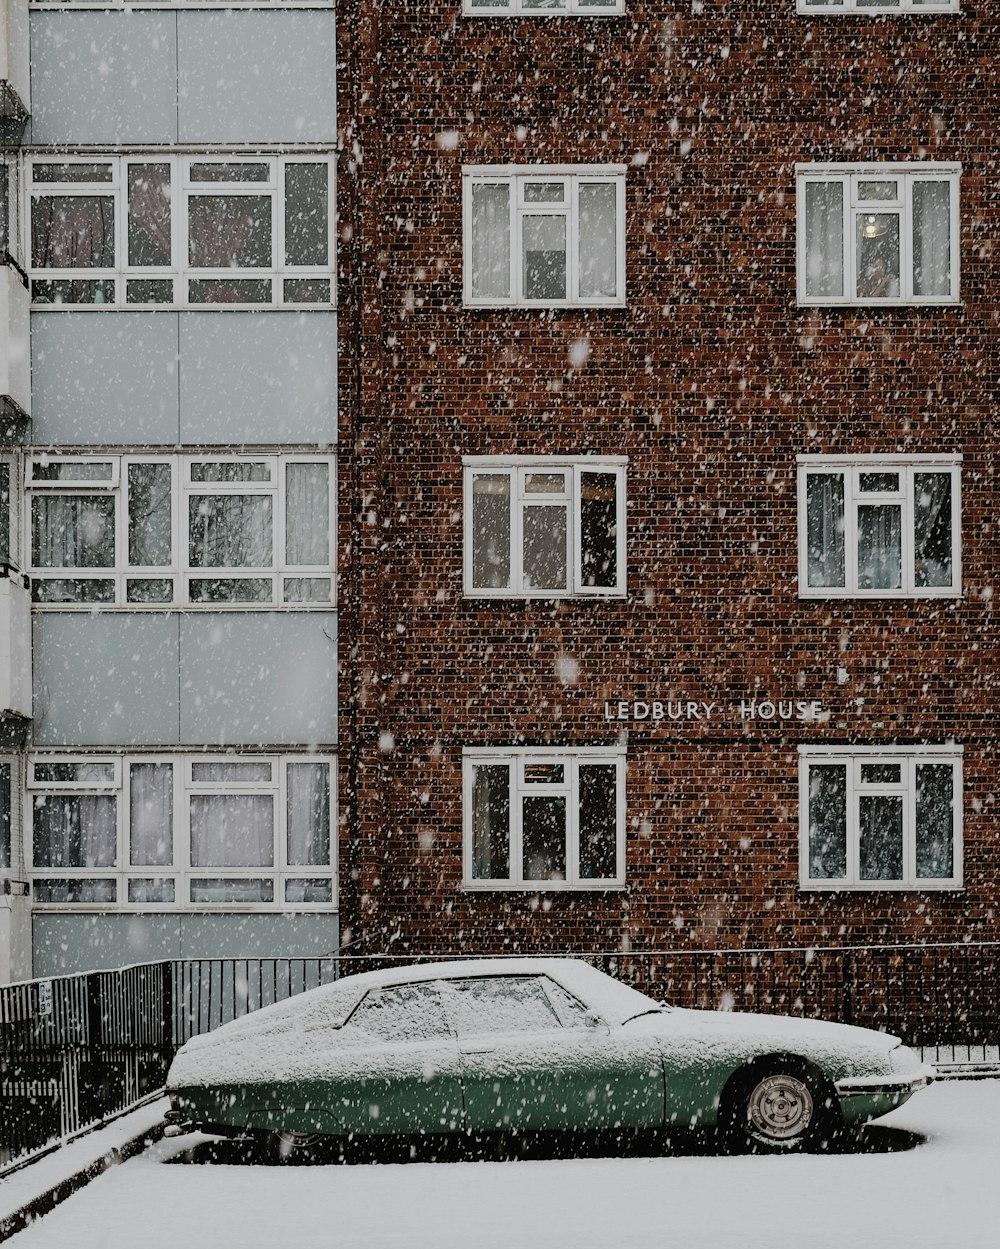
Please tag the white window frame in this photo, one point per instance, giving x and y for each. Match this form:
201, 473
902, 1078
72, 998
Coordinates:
525, 8
181, 574
159, 5
180, 870
515, 467
851, 467
514, 177
14, 871
853, 757
875, 8
11, 459
848, 176
515, 759
180, 272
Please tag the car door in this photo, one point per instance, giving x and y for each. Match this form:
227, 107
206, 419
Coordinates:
397, 1067
534, 1058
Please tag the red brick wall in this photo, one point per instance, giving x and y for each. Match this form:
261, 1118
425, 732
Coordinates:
711, 381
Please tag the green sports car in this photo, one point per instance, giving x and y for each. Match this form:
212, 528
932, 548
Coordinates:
529, 1046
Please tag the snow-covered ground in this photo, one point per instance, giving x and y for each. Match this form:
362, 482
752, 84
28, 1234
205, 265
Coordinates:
927, 1177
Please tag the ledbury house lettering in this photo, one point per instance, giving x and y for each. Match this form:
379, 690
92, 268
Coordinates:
656, 709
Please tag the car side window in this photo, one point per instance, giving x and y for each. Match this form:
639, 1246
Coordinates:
408, 1012
501, 1004
572, 1012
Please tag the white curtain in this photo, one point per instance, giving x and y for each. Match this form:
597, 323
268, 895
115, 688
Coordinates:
75, 830
308, 814
598, 240
824, 239
232, 830
490, 258
825, 528
931, 238
151, 814
307, 514
879, 547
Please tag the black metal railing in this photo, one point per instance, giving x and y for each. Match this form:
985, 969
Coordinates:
75, 1050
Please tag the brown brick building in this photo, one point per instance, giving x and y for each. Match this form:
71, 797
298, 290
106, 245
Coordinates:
669, 475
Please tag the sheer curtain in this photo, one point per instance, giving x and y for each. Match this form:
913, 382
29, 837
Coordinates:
75, 830
307, 514
490, 259
824, 239
308, 812
598, 240
931, 238
825, 529
151, 814
232, 830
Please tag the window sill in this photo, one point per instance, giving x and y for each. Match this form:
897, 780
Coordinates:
874, 305
883, 886
542, 886
876, 596
106, 308
507, 597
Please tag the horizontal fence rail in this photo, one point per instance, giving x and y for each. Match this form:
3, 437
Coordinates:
76, 1050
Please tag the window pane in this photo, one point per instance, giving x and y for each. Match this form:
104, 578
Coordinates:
306, 890
307, 214
231, 470
598, 240
74, 830
71, 172
879, 547
73, 292
149, 590
824, 239
880, 820
72, 470
544, 773
545, 483
599, 530
151, 890
149, 215
931, 238
54, 771
827, 822
308, 589
878, 483
229, 531
544, 556
149, 291
308, 814
151, 814
227, 771
232, 830
884, 191
881, 774
490, 250
307, 513
149, 515
232, 889
73, 232
5, 514
935, 821
306, 290
490, 531
72, 590
73, 531
598, 822
543, 837
231, 590
229, 291
544, 192
825, 529
543, 243
491, 821
877, 245
79, 890
230, 171
5, 818
500, 1004
932, 529
229, 231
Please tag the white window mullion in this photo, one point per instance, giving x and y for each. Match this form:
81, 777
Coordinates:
516, 822
907, 520
573, 241
853, 814
573, 824
909, 775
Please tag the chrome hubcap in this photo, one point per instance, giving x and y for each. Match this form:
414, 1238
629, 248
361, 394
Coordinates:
780, 1108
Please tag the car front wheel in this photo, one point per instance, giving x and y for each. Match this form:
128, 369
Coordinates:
778, 1108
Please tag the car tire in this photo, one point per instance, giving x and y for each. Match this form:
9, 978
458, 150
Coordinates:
779, 1106
285, 1147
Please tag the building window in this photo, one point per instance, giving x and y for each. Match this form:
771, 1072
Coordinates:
543, 8
885, 6
9, 476
879, 527
181, 230
542, 527
878, 234
145, 832
880, 818
546, 236
544, 819
181, 531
